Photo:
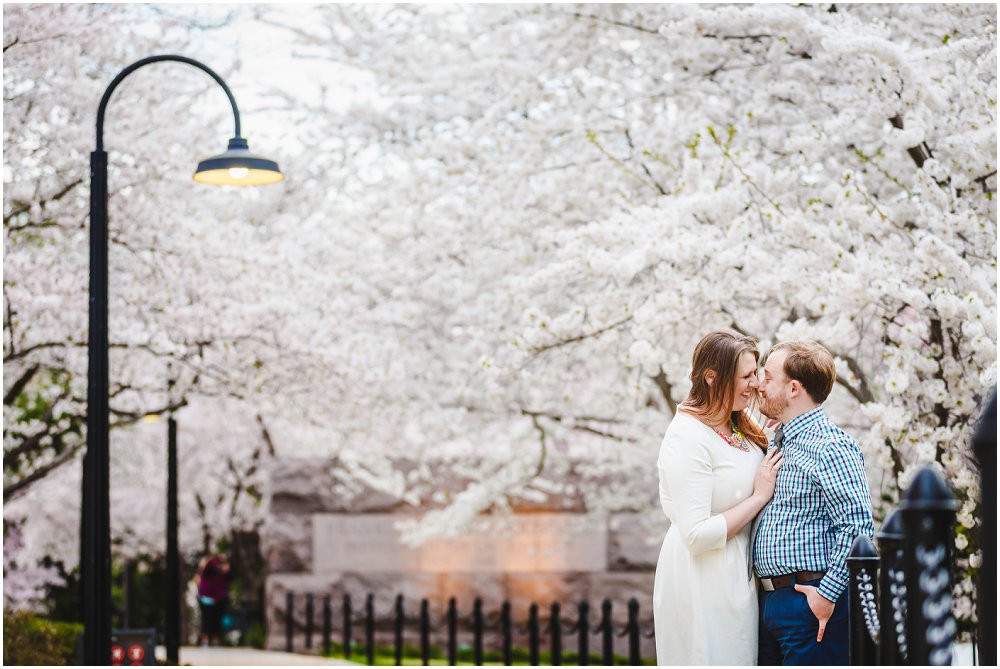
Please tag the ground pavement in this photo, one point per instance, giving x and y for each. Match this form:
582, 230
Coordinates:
242, 657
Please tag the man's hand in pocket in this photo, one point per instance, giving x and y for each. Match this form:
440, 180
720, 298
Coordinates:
820, 606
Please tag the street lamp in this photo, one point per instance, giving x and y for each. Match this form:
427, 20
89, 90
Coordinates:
237, 167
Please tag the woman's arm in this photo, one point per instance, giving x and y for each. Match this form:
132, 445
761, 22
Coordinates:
743, 513
685, 466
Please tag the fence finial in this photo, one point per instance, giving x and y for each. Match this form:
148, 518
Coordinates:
928, 513
862, 566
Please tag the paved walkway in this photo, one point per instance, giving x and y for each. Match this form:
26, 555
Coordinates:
242, 657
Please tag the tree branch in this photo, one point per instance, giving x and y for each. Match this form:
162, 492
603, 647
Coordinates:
15, 390
10, 491
582, 428
620, 24
588, 335
56, 197
666, 390
266, 434
544, 451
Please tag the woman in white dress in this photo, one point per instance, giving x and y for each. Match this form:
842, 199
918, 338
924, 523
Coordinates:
714, 479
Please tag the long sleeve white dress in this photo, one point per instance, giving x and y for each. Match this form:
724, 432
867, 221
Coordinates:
704, 600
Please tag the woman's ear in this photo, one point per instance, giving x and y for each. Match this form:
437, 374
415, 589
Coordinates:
709, 377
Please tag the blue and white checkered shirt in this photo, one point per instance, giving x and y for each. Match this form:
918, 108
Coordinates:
821, 504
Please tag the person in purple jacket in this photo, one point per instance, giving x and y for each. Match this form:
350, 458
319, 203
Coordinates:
213, 595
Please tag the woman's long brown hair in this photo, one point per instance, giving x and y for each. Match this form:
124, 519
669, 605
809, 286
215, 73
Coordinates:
720, 352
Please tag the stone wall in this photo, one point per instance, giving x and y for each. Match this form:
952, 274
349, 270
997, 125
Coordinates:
320, 543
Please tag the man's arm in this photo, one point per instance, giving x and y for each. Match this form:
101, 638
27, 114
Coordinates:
848, 502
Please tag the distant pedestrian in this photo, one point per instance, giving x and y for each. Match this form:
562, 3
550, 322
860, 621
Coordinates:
213, 596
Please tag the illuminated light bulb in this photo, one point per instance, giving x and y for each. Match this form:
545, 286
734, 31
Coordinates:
238, 172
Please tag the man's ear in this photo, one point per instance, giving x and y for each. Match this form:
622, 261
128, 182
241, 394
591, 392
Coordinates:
796, 389
709, 377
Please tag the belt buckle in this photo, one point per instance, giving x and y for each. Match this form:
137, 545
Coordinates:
767, 585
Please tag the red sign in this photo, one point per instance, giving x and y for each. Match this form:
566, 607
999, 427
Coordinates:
117, 655
134, 647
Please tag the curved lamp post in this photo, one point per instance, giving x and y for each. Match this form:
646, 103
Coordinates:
237, 167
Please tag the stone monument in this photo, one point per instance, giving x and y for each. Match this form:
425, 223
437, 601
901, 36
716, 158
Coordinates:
317, 542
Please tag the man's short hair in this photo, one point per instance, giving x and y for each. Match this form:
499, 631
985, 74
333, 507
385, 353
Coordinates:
810, 364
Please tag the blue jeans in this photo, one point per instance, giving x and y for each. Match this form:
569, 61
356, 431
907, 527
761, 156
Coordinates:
788, 630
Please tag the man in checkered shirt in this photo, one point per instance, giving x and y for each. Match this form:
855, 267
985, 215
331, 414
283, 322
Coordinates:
821, 504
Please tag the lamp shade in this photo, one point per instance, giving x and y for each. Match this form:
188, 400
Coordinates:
238, 167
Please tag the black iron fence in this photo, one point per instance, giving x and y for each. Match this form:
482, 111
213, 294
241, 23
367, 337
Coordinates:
555, 628
901, 594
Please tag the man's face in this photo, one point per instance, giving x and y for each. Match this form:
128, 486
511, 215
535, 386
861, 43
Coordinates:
774, 388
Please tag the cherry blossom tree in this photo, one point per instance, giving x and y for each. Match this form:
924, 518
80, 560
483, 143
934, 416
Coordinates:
184, 307
628, 178
504, 229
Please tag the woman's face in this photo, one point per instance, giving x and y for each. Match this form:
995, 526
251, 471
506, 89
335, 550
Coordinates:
746, 381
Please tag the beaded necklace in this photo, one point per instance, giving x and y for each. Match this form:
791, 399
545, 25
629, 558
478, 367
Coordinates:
736, 439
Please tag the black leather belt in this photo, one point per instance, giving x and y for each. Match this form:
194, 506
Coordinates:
772, 583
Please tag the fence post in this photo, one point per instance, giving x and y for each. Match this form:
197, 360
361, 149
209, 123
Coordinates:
985, 444
555, 629
892, 593
327, 624
928, 514
400, 621
452, 632
633, 632
505, 634
862, 568
607, 633
533, 635
477, 632
370, 628
425, 632
289, 621
348, 614
583, 630
309, 621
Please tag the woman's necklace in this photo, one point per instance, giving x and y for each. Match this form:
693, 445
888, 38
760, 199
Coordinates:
736, 439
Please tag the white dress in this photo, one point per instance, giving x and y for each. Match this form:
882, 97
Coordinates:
704, 601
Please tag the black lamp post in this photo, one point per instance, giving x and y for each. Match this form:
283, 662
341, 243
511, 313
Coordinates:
238, 167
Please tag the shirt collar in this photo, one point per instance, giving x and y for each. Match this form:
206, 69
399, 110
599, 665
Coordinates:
800, 422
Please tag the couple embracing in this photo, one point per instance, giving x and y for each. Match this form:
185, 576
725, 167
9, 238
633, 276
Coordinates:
753, 569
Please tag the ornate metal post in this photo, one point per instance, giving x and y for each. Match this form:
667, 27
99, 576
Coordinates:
862, 567
928, 513
892, 593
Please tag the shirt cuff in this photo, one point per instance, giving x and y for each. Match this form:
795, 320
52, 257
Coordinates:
710, 536
831, 588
